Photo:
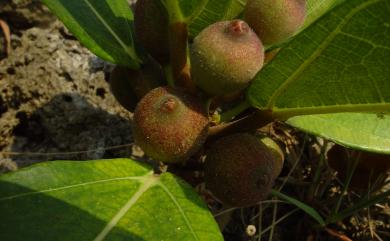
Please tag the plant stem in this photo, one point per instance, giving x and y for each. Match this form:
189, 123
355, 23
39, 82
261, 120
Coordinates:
178, 45
230, 114
169, 76
260, 226
317, 176
251, 122
174, 11
274, 213
278, 221
178, 52
351, 171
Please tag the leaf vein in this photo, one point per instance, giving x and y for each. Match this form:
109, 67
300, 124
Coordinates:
317, 53
140, 178
180, 209
128, 49
150, 181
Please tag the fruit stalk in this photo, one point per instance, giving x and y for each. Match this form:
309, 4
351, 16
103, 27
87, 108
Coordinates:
178, 51
254, 121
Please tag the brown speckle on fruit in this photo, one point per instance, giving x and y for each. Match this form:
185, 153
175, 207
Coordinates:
275, 21
170, 124
239, 170
225, 57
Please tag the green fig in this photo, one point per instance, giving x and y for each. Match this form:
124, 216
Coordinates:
225, 57
275, 21
151, 28
239, 170
129, 86
170, 125
276, 152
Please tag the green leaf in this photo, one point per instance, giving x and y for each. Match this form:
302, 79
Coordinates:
100, 200
317, 8
339, 64
104, 27
364, 131
304, 207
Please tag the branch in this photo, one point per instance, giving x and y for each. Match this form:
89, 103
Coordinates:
251, 122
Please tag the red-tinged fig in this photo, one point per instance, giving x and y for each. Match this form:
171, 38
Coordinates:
239, 170
129, 86
225, 57
275, 21
170, 125
370, 170
151, 28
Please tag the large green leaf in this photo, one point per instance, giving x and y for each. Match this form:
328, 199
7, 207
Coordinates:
370, 132
104, 27
338, 64
100, 200
317, 8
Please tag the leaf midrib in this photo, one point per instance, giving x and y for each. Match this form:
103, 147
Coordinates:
139, 178
284, 113
317, 53
180, 209
148, 183
128, 49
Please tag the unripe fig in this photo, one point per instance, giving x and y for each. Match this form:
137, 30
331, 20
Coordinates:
371, 167
129, 86
239, 170
170, 124
225, 57
276, 152
151, 28
275, 21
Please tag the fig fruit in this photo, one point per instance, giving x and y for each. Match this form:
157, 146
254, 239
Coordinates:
276, 152
129, 86
370, 170
275, 21
225, 57
170, 124
151, 28
239, 170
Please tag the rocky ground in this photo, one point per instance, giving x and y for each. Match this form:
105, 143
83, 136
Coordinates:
55, 101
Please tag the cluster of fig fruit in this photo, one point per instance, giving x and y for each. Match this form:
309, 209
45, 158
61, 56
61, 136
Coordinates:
171, 124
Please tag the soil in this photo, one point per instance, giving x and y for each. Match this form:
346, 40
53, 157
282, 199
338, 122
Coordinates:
54, 95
